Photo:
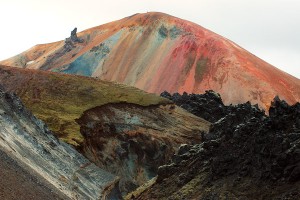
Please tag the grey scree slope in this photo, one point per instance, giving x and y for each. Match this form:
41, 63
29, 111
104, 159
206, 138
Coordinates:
29, 141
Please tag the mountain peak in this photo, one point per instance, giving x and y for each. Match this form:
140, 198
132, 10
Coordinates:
156, 52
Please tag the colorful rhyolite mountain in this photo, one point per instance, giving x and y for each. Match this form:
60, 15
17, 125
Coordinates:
157, 52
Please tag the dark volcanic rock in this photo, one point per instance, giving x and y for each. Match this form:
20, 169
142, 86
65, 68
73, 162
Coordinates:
72, 40
70, 45
74, 37
208, 105
245, 155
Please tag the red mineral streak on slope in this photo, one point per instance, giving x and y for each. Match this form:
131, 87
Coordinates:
157, 52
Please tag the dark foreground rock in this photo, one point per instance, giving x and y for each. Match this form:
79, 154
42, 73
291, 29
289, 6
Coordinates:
245, 155
209, 105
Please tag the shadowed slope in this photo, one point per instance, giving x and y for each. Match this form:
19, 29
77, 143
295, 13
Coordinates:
157, 52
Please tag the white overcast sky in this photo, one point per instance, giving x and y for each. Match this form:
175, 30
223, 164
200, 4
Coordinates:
270, 29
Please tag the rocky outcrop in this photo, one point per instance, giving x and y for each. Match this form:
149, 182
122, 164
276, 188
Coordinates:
72, 40
70, 45
245, 155
28, 141
74, 37
208, 106
132, 141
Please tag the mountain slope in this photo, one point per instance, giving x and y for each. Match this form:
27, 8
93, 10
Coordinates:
60, 99
157, 52
119, 128
28, 141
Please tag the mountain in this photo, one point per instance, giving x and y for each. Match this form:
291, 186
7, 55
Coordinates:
121, 129
157, 52
39, 159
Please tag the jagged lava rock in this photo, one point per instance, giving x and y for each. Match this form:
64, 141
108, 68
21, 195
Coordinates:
245, 155
208, 106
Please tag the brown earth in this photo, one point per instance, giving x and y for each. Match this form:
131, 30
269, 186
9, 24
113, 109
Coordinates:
17, 183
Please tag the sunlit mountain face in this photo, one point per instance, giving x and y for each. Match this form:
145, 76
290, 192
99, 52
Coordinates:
157, 52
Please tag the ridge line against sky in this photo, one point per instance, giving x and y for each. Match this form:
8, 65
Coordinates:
270, 29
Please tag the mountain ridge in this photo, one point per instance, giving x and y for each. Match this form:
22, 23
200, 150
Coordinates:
59, 99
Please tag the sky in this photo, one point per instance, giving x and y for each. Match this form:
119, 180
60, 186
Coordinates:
270, 29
